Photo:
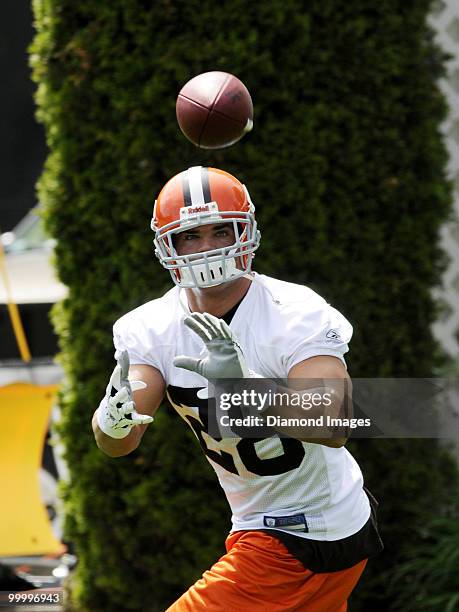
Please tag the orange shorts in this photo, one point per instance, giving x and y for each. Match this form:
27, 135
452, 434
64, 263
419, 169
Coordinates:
258, 574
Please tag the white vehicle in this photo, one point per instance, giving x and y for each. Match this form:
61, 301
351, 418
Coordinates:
33, 286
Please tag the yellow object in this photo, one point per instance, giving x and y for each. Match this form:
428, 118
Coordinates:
14, 312
24, 525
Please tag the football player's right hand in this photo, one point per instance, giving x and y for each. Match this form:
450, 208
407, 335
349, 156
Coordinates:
116, 414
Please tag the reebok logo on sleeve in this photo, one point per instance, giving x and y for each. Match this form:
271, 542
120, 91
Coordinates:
333, 336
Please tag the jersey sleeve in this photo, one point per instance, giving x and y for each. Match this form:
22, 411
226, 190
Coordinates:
322, 332
129, 335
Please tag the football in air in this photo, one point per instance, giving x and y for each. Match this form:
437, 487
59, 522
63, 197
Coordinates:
214, 110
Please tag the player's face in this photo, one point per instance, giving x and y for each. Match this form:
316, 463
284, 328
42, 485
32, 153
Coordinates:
204, 238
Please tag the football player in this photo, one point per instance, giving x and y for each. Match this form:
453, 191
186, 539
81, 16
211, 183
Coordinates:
303, 525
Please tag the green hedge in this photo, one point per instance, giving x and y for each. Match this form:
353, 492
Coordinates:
346, 167
428, 581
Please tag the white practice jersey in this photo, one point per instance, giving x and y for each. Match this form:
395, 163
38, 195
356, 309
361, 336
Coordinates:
307, 489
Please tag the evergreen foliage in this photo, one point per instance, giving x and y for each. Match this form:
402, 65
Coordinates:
346, 168
428, 582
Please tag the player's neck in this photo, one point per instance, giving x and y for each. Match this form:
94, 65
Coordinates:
220, 299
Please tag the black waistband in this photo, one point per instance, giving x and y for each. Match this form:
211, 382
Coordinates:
323, 557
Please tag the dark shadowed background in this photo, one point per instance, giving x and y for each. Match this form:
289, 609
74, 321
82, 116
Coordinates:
22, 141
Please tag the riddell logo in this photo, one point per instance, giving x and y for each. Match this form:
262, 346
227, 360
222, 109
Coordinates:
198, 209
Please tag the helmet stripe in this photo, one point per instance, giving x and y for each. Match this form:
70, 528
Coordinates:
196, 191
196, 187
186, 189
205, 184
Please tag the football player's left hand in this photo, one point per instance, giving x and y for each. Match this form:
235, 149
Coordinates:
224, 357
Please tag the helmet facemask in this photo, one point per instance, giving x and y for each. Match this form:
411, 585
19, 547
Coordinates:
208, 268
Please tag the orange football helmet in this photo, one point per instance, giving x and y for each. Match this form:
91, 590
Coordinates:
204, 196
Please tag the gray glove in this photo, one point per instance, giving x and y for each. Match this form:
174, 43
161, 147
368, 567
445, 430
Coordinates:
224, 358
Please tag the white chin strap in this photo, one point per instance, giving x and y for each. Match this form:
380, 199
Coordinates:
208, 274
